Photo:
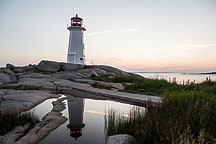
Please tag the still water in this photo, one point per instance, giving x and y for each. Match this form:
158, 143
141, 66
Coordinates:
86, 121
180, 78
42, 109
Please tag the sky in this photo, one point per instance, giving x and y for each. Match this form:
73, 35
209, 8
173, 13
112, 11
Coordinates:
133, 35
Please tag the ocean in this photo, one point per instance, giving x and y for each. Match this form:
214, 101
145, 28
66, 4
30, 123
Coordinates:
180, 78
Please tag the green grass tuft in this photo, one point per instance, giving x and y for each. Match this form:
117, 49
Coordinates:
97, 85
117, 78
9, 121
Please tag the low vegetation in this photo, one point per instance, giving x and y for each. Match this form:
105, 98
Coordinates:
9, 121
97, 85
182, 117
117, 78
185, 115
155, 87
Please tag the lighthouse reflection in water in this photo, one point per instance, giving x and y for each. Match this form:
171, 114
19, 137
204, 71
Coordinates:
75, 111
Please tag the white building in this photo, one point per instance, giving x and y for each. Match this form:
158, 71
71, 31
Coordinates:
76, 45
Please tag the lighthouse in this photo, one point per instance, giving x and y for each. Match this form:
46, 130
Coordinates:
76, 46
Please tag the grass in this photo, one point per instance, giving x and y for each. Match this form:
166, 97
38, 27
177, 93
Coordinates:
182, 117
97, 85
9, 121
185, 115
117, 78
155, 87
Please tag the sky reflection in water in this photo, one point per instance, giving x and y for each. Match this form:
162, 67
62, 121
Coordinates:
85, 121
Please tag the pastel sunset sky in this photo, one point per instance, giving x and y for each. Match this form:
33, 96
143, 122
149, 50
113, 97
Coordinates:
133, 35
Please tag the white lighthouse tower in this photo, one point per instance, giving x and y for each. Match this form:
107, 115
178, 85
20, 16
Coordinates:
76, 45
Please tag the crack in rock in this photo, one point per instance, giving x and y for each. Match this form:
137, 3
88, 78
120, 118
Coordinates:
19, 100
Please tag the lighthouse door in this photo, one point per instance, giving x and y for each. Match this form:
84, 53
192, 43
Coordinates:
72, 58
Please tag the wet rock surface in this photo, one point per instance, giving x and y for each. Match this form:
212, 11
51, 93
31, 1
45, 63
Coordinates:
121, 139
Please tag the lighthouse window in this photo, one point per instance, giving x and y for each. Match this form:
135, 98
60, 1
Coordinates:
81, 58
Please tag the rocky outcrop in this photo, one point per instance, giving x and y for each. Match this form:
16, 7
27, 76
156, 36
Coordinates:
121, 139
70, 66
16, 133
21, 88
22, 100
118, 86
111, 69
7, 76
48, 66
52, 66
10, 66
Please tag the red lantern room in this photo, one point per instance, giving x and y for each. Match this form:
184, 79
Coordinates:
76, 21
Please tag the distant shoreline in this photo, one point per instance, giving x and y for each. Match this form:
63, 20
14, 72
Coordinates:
156, 72
198, 73
209, 73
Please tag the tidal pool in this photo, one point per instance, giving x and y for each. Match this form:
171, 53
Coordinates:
43, 108
86, 121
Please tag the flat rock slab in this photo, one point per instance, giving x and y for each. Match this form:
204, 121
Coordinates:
91, 82
22, 100
67, 85
32, 84
129, 97
34, 75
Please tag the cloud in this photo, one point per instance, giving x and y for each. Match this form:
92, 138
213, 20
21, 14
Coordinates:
186, 46
175, 68
116, 59
197, 45
111, 31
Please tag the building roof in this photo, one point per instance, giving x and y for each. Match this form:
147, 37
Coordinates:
76, 18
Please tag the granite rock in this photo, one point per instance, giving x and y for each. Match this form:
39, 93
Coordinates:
48, 66
70, 66
7, 78
121, 139
10, 66
13, 135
